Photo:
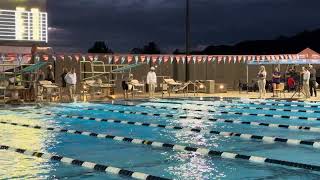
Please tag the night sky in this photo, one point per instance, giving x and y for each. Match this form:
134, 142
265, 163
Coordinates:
124, 24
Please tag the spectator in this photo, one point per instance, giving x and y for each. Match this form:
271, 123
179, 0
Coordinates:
50, 74
262, 75
276, 75
71, 82
313, 81
152, 82
305, 82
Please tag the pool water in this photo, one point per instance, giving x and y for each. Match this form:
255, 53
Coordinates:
161, 162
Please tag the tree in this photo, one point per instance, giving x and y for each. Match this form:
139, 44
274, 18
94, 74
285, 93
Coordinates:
136, 51
151, 48
100, 47
177, 51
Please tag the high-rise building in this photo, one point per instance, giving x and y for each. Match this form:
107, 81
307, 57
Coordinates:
23, 22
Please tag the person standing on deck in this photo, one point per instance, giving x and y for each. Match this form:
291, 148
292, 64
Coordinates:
71, 80
276, 75
50, 74
262, 75
152, 82
313, 81
305, 82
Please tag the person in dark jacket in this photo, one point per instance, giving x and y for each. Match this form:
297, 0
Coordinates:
313, 81
50, 74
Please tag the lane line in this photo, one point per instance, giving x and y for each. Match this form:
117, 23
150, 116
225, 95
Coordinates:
244, 136
232, 101
85, 164
202, 151
202, 118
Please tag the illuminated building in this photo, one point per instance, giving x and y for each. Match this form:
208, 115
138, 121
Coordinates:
23, 23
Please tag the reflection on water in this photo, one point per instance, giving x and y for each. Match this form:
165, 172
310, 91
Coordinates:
19, 166
192, 165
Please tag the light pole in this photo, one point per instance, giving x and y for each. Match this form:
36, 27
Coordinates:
187, 38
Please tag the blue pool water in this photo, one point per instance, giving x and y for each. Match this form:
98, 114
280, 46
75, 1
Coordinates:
160, 162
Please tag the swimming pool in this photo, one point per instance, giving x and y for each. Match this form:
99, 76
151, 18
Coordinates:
208, 138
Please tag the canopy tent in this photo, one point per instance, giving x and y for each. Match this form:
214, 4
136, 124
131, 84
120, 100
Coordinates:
307, 56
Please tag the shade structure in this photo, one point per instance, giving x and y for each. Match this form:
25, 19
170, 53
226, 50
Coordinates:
307, 56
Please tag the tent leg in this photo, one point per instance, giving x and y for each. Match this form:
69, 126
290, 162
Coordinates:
247, 79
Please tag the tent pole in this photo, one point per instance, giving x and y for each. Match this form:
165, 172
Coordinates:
247, 79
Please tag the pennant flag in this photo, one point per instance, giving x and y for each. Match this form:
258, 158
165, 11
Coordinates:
77, 57
90, 58
199, 59
83, 58
183, 60
204, 59
277, 57
294, 56
194, 59
290, 57
240, 58
258, 58
62, 57
234, 59
229, 59
171, 59
2, 57
214, 59
110, 59
165, 59
143, 58
136, 58
27, 57
178, 59
45, 57
70, 57
123, 59
154, 59
116, 59
210, 58
189, 59
219, 59
249, 58
224, 59
160, 59
244, 59
130, 59
96, 58
148, 59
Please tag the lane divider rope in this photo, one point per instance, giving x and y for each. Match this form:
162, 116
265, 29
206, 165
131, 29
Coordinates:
239, 102
244, 136
202, 151
204, 118
221, 106
238, 98
85, 164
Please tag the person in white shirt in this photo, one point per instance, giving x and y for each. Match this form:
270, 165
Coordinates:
262, 75
305, 82
152, 81
71, 80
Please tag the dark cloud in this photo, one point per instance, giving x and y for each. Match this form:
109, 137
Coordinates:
125, 24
